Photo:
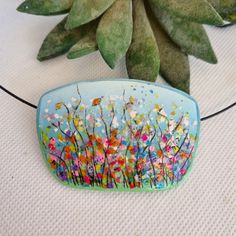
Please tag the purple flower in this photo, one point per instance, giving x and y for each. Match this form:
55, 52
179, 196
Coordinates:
68, 133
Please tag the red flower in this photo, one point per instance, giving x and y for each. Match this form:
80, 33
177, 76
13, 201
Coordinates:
117, 169
121, 162
99, 175
63, 163
137, 134
51, 146
131, 185
86, 179
68, 156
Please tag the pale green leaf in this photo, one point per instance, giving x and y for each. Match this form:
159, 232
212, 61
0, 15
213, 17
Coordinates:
45, 7
142, 58
84, 11
174, 63
60, 40
114, 31
192, 10
190, 36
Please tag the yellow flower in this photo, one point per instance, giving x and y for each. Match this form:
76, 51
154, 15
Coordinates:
157, 108
109, 107
131, 99
81, 108
76, 122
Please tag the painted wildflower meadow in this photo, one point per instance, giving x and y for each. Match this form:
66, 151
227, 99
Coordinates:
118, 135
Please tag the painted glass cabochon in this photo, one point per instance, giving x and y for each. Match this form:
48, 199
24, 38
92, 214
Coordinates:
118, 134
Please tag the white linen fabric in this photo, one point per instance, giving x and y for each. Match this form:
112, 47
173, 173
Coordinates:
32, 202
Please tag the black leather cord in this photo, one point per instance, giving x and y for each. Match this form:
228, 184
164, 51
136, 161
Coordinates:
35, 107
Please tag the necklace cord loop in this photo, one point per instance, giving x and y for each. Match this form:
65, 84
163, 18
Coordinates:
35, 107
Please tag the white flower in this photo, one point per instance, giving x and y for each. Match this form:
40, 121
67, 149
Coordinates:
73, 99
172, 125
112, 98
162, 145
185, 121
115, 122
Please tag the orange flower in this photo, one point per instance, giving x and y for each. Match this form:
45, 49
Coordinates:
114, 133
131, 150
159, 153
67, 149
171, 175
53, 165
58, 105
96, 101
82, 159
114, 142
159, 177
73, 139
184, 155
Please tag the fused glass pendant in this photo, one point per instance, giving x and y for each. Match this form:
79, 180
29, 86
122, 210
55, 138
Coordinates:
118, 134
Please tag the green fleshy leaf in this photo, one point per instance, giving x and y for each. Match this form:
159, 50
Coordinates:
85, 45
45, 7
60, 40
142, 58
174, 63
84, 11
190, 36
193, 10
226, 8
231, 18
114, 32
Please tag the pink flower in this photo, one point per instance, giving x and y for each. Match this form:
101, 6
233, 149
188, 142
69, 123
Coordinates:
168, 148
106, 142
76, 161
53, 141
164, 138
152, 148
99, 157
53, 158
183, 172
122, 147
144, 137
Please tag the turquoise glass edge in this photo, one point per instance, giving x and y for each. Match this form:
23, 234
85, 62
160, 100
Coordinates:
129, 80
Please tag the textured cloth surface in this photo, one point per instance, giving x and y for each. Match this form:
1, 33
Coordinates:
32, 202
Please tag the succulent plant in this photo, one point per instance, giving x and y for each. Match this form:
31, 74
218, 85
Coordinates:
154, 35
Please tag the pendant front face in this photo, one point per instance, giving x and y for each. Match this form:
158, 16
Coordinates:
118, 134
